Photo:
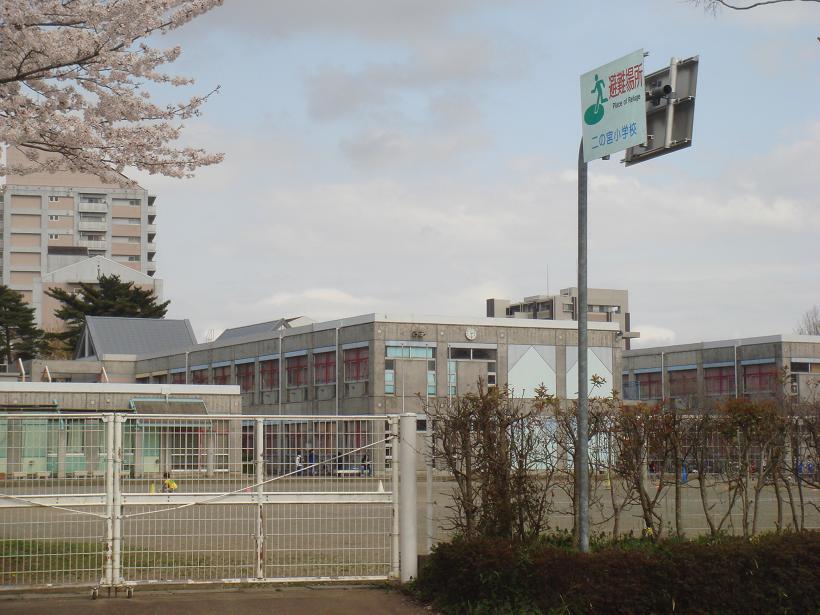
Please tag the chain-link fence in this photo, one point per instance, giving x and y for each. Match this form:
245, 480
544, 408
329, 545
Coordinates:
120, 499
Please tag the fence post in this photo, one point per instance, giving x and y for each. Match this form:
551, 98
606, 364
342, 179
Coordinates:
408, 529
394, 468
117, 420
430, 442
108, 420
259, 465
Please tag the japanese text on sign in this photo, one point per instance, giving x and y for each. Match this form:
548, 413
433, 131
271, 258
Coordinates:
625, 80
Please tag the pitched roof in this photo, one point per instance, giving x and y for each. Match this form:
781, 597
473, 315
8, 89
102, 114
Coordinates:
107, 335
90, 269
263, 327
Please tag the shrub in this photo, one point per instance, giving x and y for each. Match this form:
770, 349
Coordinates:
770, 574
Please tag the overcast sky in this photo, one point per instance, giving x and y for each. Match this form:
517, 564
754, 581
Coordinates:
419, 156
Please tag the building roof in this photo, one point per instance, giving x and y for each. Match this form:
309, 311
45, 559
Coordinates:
299, 327
745, 341
263, 327
90, 269
112, 335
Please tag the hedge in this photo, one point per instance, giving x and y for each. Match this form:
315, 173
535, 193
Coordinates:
769, 574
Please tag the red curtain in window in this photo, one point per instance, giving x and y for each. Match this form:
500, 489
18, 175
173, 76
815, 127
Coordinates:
683, 382
269, 375
357, 363
720, 380
324, 368
222, 375
759, 378
296, 368
244, 377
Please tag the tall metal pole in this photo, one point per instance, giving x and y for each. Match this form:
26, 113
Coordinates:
581, 455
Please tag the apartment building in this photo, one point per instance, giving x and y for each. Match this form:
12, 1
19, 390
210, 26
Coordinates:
52, 220
604, 305
750, 367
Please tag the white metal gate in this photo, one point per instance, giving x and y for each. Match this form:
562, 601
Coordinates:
115, 500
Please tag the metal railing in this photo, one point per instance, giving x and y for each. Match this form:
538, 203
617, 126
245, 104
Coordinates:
114, 500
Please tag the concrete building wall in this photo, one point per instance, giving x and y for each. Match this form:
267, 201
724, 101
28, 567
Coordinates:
409, 361
764, 366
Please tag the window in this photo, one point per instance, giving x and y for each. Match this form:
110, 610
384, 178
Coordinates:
409, 352
75, 437
649, 385
431, 382
53, 236
244, 377
629, 389
53, 217
53, 199
297, 369
483, 354
800, 367
199, 376
720, 380
123, 239
357, 364
389, 377
131, 202
452, 378
269, 375
324, 368
133, 259
683, 382
222, 375
491, 373
474, 354
178, 378
759, 378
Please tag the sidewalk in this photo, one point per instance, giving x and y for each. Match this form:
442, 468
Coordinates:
314, 600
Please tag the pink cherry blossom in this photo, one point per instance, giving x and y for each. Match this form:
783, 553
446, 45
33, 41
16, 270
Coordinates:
73, 82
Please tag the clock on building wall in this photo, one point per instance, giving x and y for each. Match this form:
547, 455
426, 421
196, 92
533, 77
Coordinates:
470, 334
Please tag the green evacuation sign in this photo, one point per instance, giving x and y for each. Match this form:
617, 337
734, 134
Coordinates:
613, 107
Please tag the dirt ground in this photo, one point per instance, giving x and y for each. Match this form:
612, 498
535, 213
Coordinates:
303, 600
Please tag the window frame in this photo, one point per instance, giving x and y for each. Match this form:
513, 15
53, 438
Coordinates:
356, 364
246, 377
296, 371
324, 368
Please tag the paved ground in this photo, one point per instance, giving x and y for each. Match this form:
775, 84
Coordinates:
283, 601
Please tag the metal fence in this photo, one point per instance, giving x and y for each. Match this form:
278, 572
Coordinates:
114, 500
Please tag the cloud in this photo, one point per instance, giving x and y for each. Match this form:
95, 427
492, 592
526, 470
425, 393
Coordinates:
374, 20
381, 149
653, 335
434, 71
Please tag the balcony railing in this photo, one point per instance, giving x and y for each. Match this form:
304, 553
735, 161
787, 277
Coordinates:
93, 245
88, 225
92, 207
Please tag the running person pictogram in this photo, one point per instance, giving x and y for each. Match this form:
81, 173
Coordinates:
595, 113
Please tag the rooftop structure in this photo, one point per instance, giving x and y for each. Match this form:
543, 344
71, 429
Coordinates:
604, 305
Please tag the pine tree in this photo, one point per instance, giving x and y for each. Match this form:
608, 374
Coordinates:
19, 336
110, 296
